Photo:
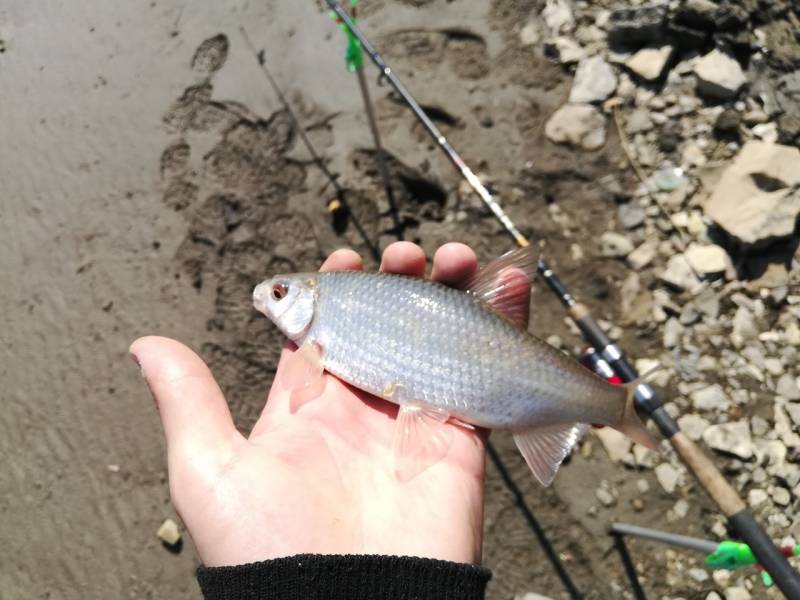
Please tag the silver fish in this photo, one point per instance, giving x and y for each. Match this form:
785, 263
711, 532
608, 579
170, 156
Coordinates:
445, 354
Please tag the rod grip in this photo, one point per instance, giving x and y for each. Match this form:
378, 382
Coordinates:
708, 475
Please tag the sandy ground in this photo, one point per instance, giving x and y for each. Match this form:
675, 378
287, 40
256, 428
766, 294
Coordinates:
148, 179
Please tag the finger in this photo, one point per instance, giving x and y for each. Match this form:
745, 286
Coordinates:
193, 410
403, 258
454, 264
343, 259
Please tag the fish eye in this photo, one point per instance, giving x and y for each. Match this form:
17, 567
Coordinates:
279, 291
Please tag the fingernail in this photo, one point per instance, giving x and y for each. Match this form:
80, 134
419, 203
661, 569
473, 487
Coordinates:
135, 359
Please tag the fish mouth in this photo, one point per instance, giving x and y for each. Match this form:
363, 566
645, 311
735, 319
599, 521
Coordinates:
261, 296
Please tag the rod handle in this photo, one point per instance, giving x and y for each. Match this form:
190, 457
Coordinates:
708, 475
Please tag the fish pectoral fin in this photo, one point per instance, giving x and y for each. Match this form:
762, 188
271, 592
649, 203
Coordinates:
421, 439
302, 375
505, 284
303, 367
545, 448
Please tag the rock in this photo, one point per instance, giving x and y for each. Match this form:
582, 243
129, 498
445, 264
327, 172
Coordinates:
787, 387
756, 496
719, 75
744, 327
645, 24
788, 128
781, 496
711, 397
531, 596
713, 596
707, 259
759, 426
649, 62
766, 132
679, 274
615, 245
668, 177
737, 593
638, 121
693, 156
756, 198
699, 575
169, 532
771, 453
566, 50
693, 426
773, 365
530, 35
697, 13
689, 314
558, 16
613, 187
580, 125
594, 81
630, 215
667, 476
728, 121
707, 302
605, 497
681, 508
733, 438
616, 444
643, 255
793, 411
672, 333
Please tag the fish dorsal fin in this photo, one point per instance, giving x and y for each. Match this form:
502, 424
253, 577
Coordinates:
545, 448
505, 284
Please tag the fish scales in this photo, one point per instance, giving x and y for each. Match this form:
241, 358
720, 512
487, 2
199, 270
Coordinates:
410, 340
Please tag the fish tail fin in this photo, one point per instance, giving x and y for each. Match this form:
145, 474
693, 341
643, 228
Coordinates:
631, 425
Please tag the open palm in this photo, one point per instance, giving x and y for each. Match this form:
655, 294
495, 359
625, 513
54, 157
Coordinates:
318, 478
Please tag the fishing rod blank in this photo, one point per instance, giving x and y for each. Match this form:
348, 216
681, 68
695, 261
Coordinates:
339, 204
673, 539
701, 466
434, 132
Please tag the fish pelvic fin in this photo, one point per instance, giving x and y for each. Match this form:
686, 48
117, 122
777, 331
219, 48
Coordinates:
422, 438
545, 448
631, 425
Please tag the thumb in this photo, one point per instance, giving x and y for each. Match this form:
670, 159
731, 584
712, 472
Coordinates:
193, 411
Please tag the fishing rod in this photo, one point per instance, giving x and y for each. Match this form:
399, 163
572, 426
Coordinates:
338, 204
354, 58
726, 554
709, 477
434, 132
356, 36
701, 466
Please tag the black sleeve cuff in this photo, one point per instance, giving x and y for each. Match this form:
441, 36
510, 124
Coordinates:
345, 577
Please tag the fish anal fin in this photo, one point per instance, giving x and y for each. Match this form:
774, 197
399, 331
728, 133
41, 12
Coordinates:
505, 284
545, 448
422, 437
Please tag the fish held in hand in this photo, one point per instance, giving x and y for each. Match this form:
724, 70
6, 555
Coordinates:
444, 354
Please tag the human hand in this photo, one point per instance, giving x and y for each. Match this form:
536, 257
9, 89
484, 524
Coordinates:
319, 479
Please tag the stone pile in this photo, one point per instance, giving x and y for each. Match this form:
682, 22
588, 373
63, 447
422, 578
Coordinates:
707, 96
